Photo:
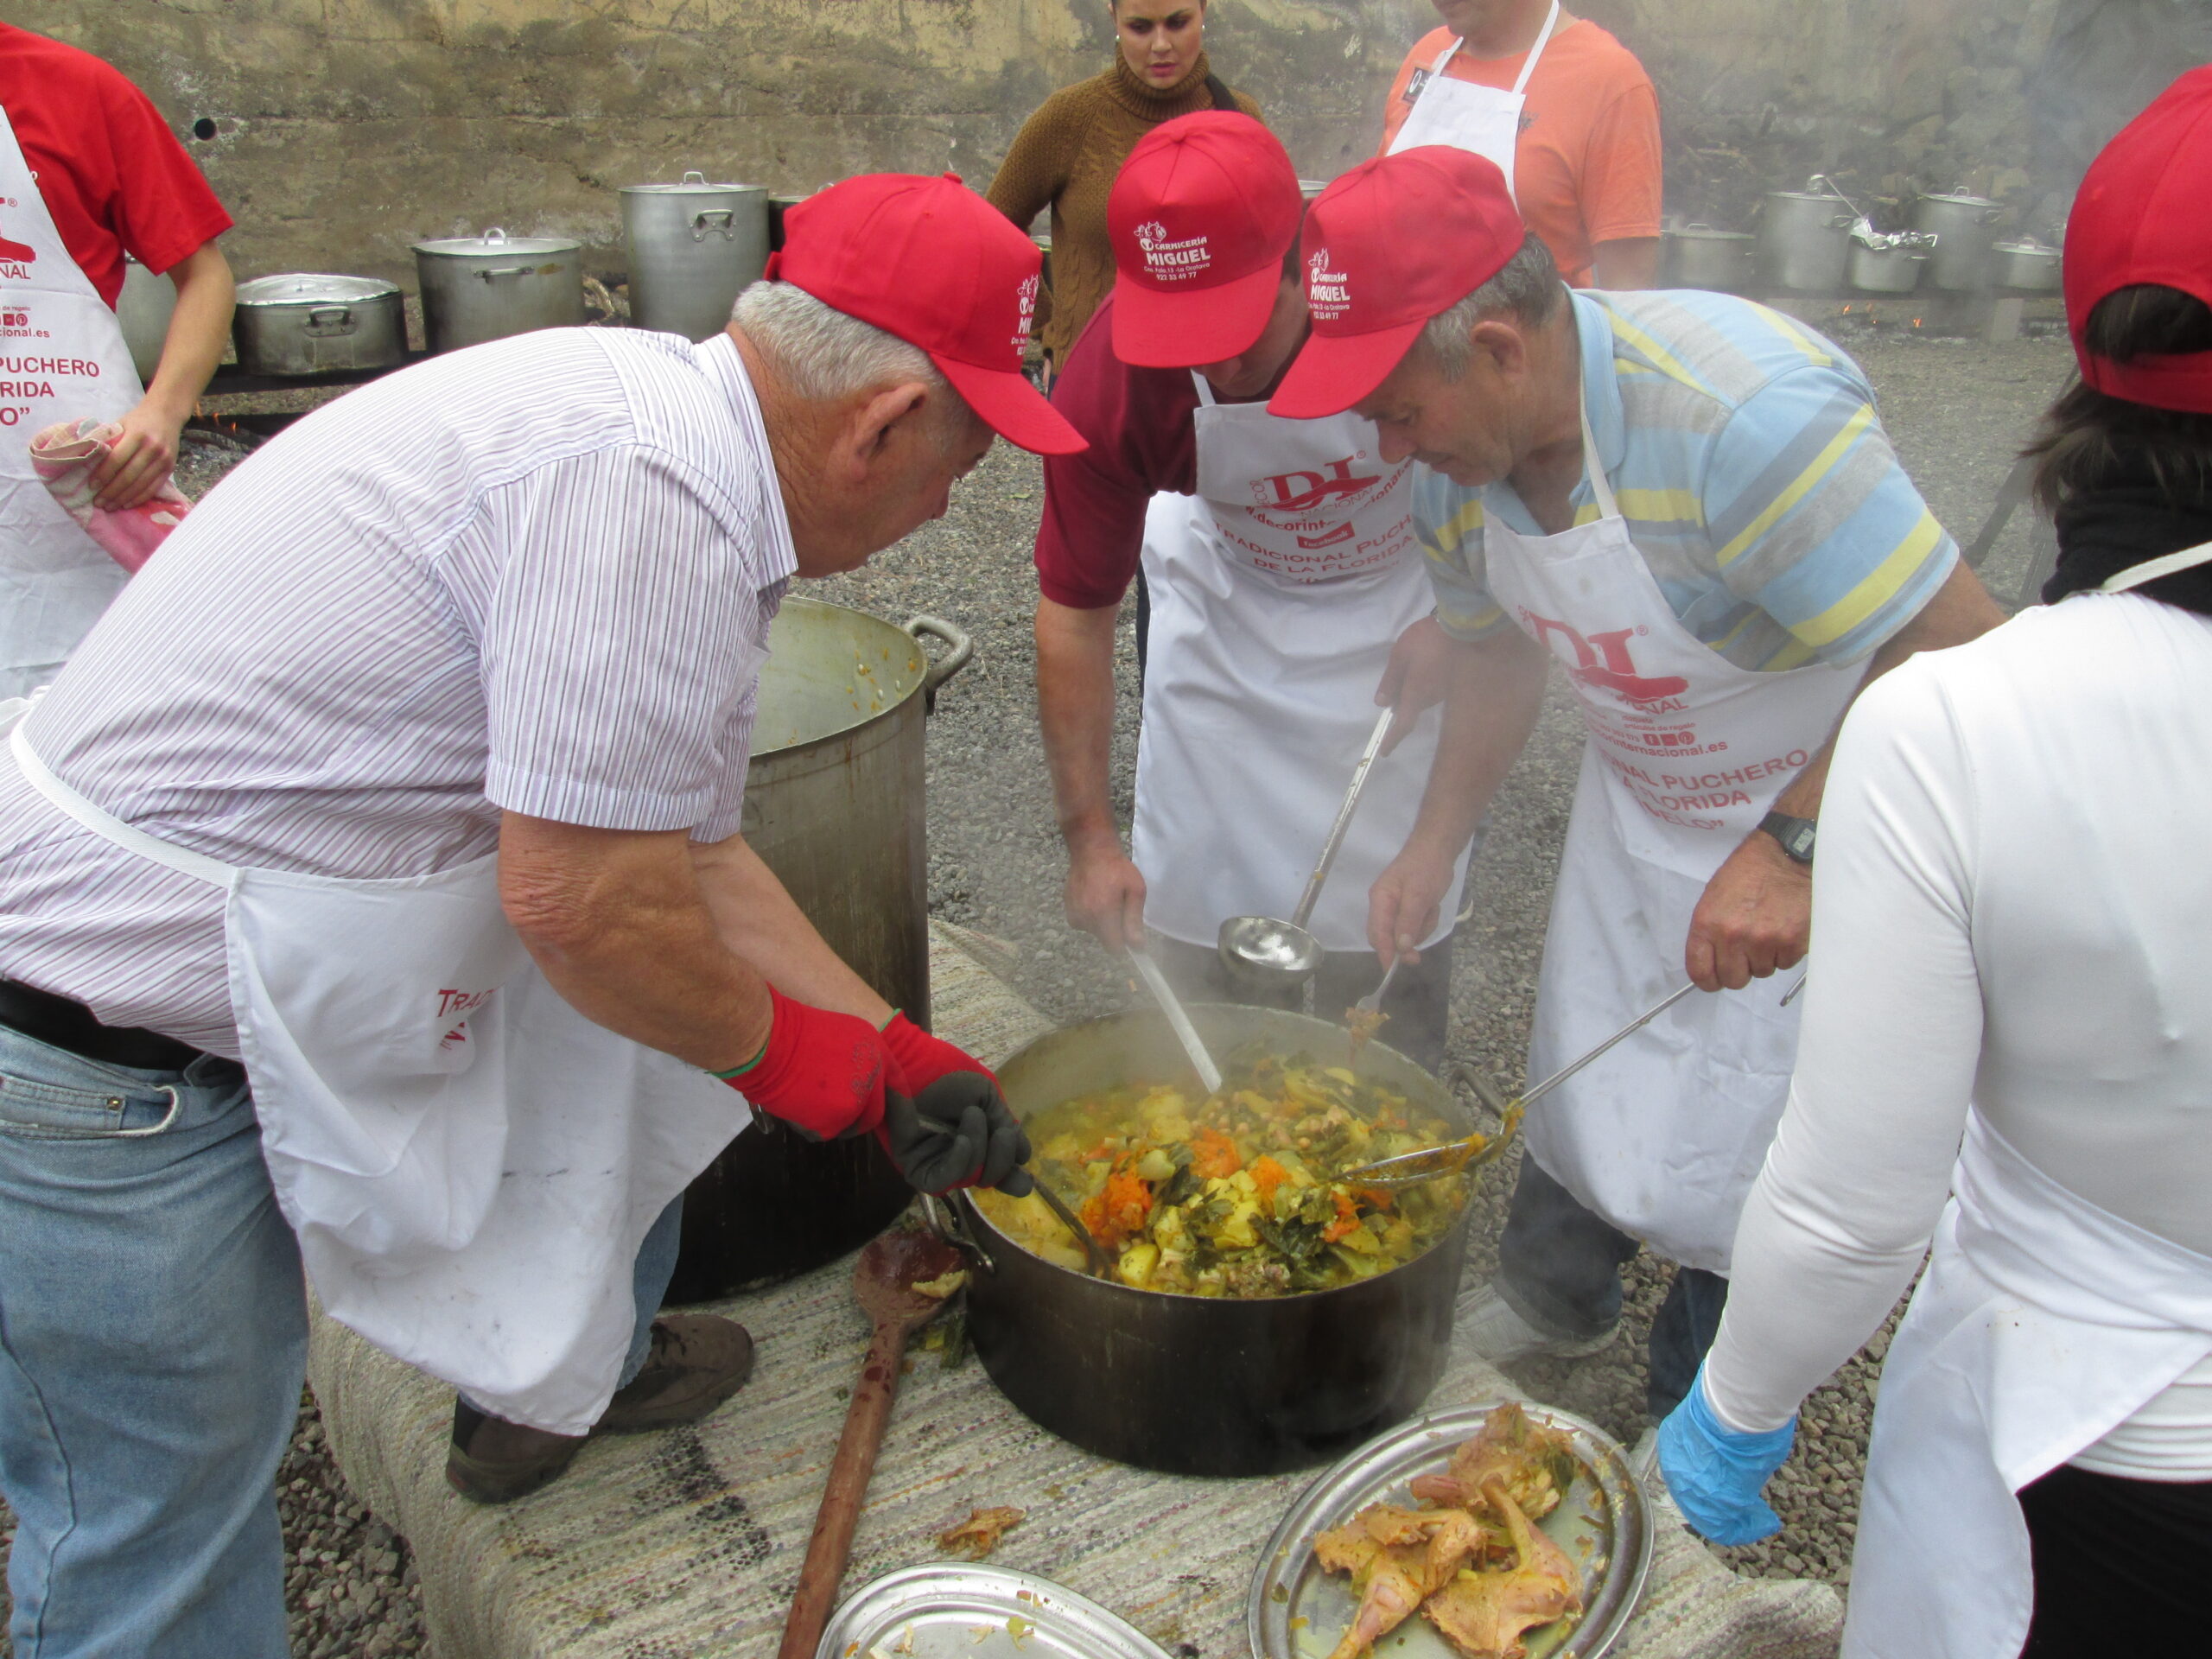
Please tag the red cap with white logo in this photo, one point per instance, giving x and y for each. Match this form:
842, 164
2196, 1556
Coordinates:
1393, 243
2141, 218
1200, 217
931, 261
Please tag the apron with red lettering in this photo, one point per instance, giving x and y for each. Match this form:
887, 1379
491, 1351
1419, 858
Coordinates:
62, 356
1277, 592
1685, 754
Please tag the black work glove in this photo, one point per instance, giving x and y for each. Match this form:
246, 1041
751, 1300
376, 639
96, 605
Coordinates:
956, 1131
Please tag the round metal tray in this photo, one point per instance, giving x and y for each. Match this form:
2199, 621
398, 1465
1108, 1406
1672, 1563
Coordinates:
1296, 1611
951, 1610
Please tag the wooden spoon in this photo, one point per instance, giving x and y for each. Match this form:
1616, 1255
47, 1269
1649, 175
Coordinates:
884, 1283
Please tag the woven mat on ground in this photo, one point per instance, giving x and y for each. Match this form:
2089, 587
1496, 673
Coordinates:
688, 1542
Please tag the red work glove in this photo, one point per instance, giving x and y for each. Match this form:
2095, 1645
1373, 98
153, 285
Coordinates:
822, 1074
947, 1125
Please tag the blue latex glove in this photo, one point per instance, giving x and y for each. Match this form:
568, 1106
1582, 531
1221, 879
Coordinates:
1715, 1474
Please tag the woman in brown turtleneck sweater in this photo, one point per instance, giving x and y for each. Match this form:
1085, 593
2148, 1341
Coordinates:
1068, 152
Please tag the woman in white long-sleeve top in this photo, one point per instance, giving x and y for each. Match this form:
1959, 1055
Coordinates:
2006, 1058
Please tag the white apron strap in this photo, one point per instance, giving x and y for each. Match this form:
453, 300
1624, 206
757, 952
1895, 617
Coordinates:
2150, 569
1205, 389
1543, 39
1528, 64
107, 825
1601, 488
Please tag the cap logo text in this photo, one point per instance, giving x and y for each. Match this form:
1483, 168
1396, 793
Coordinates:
1171, 262
1026, 298
1328, 293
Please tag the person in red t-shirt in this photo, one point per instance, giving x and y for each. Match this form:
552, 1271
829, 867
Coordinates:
88, 172
1564, 109
1290, 601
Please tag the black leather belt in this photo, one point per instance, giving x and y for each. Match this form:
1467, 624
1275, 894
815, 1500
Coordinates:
66, 1023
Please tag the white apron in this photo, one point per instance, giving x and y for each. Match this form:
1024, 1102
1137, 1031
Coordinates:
1277, 592
62, 356
469, 1163
1685, 756
2043, 1324
1481, 119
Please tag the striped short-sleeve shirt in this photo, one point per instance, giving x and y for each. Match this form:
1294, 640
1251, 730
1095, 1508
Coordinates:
532, 576
1753, 472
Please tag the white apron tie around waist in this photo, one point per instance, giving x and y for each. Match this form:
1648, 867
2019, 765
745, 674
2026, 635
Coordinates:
1686, 753
469, 1163
1481, 119
62, 356
2044, 1323
1277, 592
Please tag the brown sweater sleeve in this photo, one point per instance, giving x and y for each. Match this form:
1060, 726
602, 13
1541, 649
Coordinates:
1035, 170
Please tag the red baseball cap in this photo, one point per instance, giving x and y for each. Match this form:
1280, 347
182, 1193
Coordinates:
1393, 243
1200, 217
2144, 215
931, 261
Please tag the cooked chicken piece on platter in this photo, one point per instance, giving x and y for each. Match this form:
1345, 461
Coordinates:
1533, 1463
1486, 1614
1397, 1558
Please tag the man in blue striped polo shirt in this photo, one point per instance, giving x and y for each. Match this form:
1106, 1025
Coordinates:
1686, 500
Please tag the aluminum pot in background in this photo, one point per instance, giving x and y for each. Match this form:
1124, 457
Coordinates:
833, 805
1204, 1385
1890, 264
1698, 255
1804, 240
481, 287
693, 247
315, 324
1964, 227
2025, 267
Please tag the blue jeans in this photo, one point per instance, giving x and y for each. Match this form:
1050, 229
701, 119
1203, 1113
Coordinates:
153, 1341
1559, 1266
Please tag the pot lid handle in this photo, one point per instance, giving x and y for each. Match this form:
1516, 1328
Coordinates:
693, 175
495, 234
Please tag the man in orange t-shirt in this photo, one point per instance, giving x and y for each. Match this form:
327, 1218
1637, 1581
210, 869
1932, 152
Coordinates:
1586, 168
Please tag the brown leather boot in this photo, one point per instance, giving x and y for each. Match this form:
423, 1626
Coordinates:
696, 1362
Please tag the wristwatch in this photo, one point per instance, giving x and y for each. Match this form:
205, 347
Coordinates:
1795, 835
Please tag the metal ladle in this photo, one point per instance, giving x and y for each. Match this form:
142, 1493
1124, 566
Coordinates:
1180, 1023
1265, 955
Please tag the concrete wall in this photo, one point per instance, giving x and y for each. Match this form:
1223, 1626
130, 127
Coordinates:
344, 130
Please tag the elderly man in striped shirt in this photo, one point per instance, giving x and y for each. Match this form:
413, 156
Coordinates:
1687, 501
372, 897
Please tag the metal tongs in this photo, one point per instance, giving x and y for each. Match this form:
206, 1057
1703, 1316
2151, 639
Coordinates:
1431, 1162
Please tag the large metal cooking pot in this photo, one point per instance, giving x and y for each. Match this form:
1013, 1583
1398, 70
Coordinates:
1962, 226
693, 247
1697, 255
1889, 265
481, 287
1804, 238
833, 806
305, 324
1199, 1385
2025, 267
143, 310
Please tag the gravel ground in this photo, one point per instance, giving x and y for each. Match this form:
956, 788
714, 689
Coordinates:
1957, 410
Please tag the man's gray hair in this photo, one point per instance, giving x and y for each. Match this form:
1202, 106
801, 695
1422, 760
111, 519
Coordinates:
824, 355
1528, 289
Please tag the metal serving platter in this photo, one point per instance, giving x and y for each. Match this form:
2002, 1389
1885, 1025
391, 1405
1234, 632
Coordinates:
951, 1610
1296, 1611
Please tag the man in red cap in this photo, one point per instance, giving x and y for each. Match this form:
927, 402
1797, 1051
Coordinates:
1282, 571
1687, 501
375, 903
